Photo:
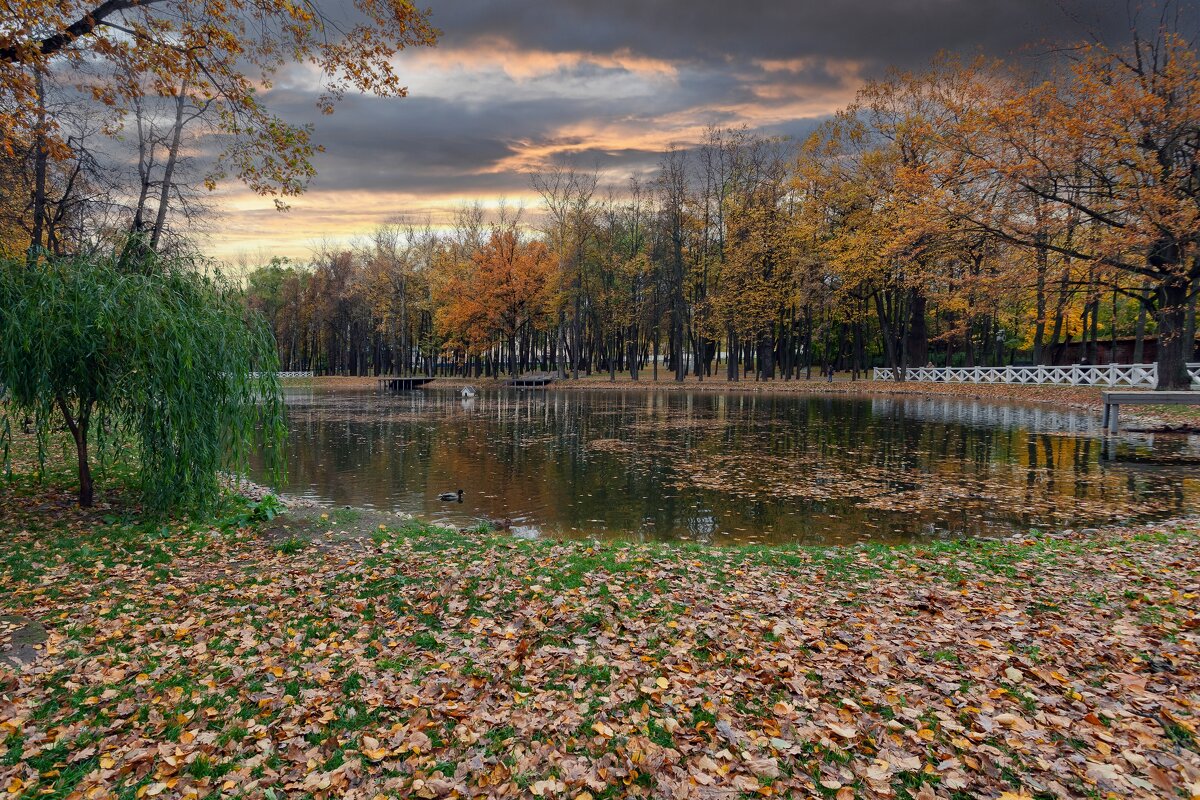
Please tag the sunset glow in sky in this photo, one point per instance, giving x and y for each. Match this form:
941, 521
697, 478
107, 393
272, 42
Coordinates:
517, 84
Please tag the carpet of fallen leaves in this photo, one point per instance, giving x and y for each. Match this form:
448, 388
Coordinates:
211, 659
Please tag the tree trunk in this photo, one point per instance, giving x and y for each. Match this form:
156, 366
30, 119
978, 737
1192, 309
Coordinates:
731, 360
807, 343
168, 177
1139, 340
1059, 311
634, 355
1094, 347
969, 341
612, 359
860, 360
560, 347
1172, 324
655, 362
41, 156
766, 355
79, 432
1039, 331
1189, 328
889, 343
576, 334
918, 340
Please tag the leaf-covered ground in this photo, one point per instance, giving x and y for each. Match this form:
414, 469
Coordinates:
223, 659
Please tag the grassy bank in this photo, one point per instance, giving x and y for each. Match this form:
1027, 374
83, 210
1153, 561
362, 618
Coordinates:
239, 656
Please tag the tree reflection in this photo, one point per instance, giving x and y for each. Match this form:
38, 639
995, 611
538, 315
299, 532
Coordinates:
720, 467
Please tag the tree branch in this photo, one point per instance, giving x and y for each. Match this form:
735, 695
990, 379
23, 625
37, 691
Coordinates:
83, 26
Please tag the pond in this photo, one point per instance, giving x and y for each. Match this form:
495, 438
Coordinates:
730, 467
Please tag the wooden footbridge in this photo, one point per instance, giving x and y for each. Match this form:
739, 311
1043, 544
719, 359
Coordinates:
397, 384
1114, 400
403, 384
532, 380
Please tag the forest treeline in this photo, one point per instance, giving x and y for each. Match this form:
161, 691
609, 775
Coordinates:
972, 213
968, 214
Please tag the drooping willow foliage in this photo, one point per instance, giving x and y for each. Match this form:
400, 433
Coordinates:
162, 363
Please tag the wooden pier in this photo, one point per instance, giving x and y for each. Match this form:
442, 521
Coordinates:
530, 381
403, 384
1114, 400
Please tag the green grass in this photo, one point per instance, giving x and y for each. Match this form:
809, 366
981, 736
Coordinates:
291, 545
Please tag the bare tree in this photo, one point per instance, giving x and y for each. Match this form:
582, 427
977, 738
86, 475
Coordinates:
568, 196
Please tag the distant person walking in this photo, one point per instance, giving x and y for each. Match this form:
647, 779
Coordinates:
829, 374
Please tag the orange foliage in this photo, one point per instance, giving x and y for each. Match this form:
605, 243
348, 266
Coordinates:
503, 290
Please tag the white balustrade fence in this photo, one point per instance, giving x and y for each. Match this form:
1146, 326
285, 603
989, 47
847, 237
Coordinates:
1074, 375
285, 375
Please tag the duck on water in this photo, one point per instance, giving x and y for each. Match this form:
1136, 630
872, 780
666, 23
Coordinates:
451, 497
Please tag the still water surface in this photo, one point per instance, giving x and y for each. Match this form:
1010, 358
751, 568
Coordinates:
730, 467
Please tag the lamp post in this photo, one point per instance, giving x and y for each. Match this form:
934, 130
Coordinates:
1001, 338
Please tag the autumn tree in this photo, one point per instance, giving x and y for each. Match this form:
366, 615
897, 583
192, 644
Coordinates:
1111, 148
671, 185
568, 196
213, 57
504, 294
752, 287
63, 202
396, 264
847, 181
633, 302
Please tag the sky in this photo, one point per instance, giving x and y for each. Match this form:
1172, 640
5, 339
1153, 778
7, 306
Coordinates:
515, 85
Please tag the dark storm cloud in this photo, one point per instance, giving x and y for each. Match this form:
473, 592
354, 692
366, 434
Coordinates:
447, 140
443, 145
903, 32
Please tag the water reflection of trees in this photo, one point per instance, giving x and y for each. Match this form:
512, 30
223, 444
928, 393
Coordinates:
942, 466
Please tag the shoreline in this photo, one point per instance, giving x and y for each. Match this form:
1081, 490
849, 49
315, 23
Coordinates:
357, 523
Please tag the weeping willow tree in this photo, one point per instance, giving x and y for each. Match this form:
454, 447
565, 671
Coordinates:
160, 364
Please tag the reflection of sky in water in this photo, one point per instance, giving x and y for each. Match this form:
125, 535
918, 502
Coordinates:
721, 467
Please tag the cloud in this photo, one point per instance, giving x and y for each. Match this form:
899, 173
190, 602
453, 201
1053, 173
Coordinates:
885, 32
515, 85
